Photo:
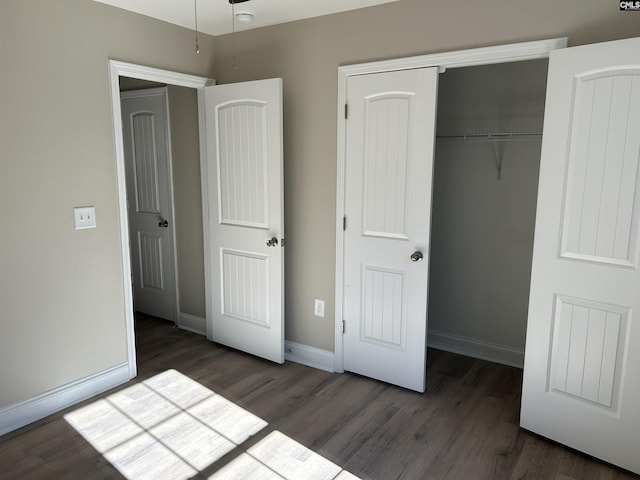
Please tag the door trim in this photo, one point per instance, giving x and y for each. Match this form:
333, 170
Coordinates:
119, 69
462, 58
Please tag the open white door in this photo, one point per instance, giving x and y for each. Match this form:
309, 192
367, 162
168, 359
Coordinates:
246, 217
389, 168
145, 132
582, 363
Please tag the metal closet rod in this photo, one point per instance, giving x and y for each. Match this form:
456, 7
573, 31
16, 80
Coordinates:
493, 137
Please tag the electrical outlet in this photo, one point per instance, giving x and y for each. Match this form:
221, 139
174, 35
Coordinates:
318, 308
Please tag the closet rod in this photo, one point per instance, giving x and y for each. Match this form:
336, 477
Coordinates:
492, 137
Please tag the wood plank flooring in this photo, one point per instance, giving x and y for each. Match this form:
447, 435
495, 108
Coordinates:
464, 427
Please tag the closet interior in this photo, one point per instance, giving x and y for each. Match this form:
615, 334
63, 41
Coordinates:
487, 158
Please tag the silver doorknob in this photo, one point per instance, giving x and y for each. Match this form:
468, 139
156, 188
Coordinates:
163, 224
416, 257
272, 242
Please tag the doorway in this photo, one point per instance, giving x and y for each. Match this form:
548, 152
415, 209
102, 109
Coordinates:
179, 213
487, 158
118, 70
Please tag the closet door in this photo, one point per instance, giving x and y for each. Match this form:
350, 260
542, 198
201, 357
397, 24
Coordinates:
389, 168
582, 363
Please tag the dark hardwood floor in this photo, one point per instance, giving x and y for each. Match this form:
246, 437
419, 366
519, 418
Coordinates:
464, 427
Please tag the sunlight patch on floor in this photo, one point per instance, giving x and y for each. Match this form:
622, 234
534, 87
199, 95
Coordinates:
278, 457
172, 427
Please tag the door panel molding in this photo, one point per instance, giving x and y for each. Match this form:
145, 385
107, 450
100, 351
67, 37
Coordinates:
462, 58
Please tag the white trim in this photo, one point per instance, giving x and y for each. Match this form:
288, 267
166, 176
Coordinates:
192, 323
309, 356
472, 347
461, 58
119, 69
514, 52
22, 413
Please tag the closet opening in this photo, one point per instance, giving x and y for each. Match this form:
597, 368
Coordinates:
487, 159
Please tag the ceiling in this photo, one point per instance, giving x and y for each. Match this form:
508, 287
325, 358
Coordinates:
214, 16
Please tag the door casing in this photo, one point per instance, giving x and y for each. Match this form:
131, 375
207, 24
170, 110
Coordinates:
462, 58
119, 69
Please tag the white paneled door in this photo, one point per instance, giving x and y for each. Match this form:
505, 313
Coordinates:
389, 168
582, 363
245, 204
146, 151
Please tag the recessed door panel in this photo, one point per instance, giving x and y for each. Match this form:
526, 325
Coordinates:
242, 163
383, 320
145, 161
385, 164
245, 284
602, 178
150, 265
588, 352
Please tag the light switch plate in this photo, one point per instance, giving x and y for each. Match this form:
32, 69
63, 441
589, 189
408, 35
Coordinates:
318, 308
85, 217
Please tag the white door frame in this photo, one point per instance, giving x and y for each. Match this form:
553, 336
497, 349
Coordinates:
119, 69
462, 58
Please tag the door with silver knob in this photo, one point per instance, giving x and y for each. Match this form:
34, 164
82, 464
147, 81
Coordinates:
389, 164
245, 198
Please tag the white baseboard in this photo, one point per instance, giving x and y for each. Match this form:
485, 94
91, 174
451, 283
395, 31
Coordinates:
192, 323
22, 413
472, 347
309, 356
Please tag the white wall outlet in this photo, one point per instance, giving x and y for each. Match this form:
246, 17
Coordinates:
85, 217
318, 308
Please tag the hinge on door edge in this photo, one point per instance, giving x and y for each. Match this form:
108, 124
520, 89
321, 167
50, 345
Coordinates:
346, 111
344, 223
342, 326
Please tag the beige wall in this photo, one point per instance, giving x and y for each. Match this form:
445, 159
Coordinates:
61, 290
306, 54
187, 199
61, 297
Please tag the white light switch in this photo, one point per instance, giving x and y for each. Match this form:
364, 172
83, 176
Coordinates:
318, 308
85, 217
